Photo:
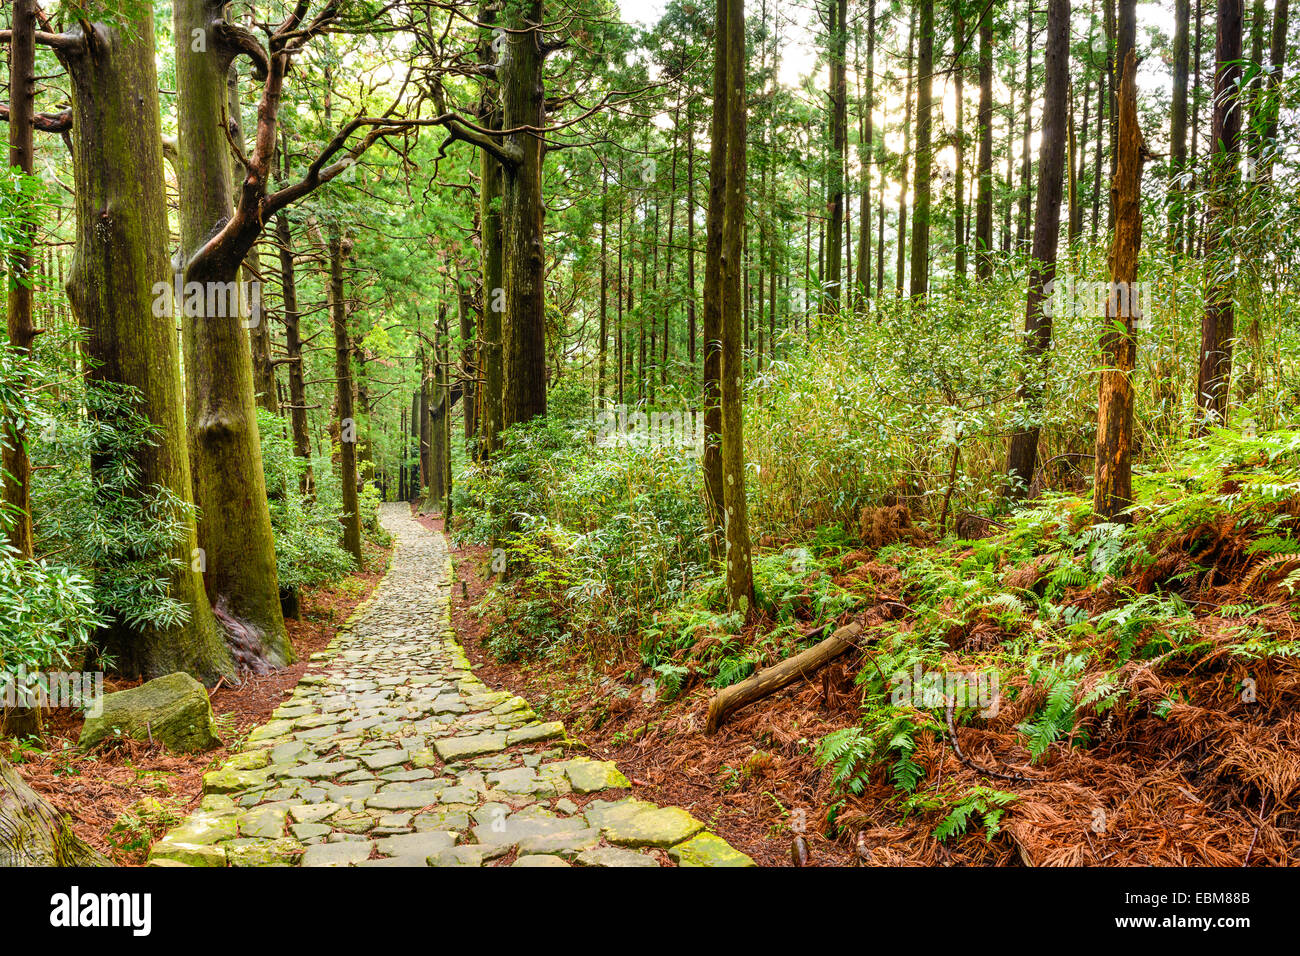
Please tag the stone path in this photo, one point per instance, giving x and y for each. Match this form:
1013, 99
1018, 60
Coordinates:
390, 752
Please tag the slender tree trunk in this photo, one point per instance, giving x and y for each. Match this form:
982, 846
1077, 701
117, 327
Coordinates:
1022, 456
984, 197
229, 484
731, 63
293, 353
1178, 123
1026, 161
17, 466
492, 257
351, 517
864, 157
920, 283
1217, 325
711, 459
1277, 62
1112, 485
901, 258
120, 262
832, 278
959, 144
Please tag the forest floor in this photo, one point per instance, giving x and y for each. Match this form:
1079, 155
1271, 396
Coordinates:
754, 782
120, 797
1185, 768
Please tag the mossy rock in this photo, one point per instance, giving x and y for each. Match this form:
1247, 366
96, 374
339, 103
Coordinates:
172, 710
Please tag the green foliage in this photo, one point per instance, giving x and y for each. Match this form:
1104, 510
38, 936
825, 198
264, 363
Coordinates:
984, 802
127, 539
307, 532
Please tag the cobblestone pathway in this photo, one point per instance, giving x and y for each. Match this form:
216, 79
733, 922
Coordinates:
390, 752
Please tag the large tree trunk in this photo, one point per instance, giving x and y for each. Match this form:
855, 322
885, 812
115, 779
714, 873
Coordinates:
920, 278
1217, 332
17, 467
984, 196
731, 62
1113, 487
901, 250
33, 833
1023, 453
119, 264
229, 484
523, 108
338, 304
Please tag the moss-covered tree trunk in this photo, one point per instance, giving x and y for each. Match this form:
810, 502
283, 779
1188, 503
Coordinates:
120, 256
351, 517
523, 109
711, 458
984, 162
17, 466
33, 833
493, 265
229, 484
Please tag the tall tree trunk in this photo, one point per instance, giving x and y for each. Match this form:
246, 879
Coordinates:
468, 357
921, 214
522, 102
731, 63
338, 304
984, 197
119, 263
1213, 381
1112, 485
17, 466
1026, 162
1022, 456
229, 484
901, 257
492, 257
868, 137
959, 142
832, 277
1277, 62
293, 353
711, 459
1178, 123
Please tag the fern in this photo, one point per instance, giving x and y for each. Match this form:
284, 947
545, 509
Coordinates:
988, 803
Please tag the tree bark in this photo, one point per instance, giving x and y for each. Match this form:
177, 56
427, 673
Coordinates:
17, 466
1178, 123
920, 276
493, 265
523, 108
229, 484
1022, 455
293, 353
832, 278
338, 305
984, 196
1112, 486
34, 833
731, 61
1217, 324
120, 260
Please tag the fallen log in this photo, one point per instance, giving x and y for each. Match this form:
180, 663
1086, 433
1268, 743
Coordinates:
772, 679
